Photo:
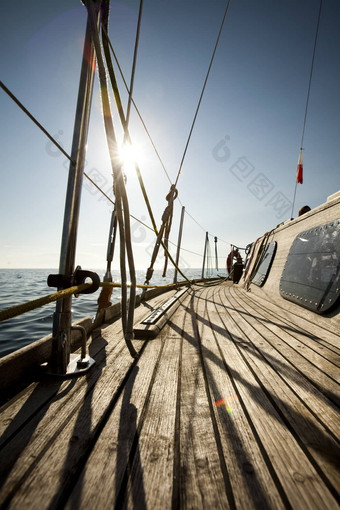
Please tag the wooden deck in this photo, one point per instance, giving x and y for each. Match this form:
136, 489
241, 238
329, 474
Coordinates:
233, 405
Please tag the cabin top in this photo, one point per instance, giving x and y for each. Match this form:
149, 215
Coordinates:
297, 265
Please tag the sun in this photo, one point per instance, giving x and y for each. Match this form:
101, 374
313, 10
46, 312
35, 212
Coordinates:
130, 155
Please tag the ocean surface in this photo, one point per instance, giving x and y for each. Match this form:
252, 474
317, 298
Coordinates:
21, 285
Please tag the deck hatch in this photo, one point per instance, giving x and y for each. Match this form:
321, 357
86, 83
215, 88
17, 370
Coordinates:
265, 265
311, 274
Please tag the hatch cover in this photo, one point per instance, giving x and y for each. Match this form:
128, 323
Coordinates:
311, 274
265, 265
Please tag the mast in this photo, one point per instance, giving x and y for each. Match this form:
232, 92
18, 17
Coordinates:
62, 319
205, 252
179, 243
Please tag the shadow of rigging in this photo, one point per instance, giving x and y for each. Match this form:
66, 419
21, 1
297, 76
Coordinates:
125, 448
315, 441
279, 366
293, 371
83, 435
25, 425
259, 318
255, 488
128, 454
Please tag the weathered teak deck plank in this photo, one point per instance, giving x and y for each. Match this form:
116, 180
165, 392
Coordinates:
312, 432
304, 359
296, 324
233, 405
49, 441
302, 386
247, 471
279, 447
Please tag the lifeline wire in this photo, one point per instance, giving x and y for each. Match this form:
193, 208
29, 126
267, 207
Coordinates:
14, 311
16, 100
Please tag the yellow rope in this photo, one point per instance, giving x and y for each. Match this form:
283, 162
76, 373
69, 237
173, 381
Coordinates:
14, 311
114, 284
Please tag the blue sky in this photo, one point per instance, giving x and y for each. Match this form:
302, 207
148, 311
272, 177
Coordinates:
238, 177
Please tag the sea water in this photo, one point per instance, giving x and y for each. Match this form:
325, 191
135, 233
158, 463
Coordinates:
18, 286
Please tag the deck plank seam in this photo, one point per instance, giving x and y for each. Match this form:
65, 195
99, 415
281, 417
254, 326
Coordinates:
77, 385
247, 453
302, 375
224, 469
279, 310
70, 484
38, 410
113, 351
127, 474
320, 388
262, 320
300, 330
240, 297
291, 429
176, 479
259, 442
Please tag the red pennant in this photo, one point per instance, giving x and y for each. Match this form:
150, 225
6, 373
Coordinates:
299, 171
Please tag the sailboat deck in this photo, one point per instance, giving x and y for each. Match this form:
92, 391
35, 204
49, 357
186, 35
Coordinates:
233, 405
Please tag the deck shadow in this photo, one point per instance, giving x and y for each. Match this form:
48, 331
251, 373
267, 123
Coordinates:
307, 435
20, 431
80, 442
256, 490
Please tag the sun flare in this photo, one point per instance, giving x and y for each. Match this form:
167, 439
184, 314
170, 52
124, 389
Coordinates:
130, 155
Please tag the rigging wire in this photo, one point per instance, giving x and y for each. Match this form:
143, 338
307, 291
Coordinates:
167, 215
205, 230
308, 94
134, 63
200, 226
37, 123
310, 76
203, 89
16, 100
172, 195
143, 122
135, 106
122, 206
127, 137
122, 117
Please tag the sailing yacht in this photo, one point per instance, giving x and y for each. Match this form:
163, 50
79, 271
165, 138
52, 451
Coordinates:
210, 393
